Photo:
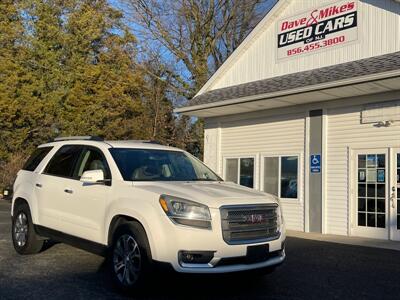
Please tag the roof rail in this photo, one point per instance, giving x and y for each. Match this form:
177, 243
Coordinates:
77, 138
151, 142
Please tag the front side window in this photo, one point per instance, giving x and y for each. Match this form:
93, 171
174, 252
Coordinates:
91, 159
36, 158
63, 162
160, 165
240, 170
281, 176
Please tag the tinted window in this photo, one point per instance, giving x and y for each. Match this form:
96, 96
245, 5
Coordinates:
247, 172
63, 162
36, 157
160, 165
91, 159
289, 176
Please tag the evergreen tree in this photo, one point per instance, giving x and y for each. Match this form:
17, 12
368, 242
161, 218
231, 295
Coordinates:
67, 67
104, 87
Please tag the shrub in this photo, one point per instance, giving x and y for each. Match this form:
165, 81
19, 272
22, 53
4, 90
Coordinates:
10, 168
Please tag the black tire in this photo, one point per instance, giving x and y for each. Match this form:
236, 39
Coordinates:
24, 237
129, 272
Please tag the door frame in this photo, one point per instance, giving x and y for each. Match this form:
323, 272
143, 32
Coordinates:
393, 195
368, 232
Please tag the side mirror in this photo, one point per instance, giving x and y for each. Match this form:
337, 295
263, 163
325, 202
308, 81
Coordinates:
92, 176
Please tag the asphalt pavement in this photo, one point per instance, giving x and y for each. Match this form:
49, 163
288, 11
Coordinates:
313, 270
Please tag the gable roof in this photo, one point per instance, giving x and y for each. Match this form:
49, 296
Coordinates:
295, 81
268, 19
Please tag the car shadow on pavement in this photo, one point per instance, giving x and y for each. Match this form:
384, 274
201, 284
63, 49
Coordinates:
48, 244
164, 284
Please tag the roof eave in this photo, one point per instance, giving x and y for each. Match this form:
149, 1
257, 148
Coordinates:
323, 86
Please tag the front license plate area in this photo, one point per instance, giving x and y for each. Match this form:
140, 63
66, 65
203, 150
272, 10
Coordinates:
257, 253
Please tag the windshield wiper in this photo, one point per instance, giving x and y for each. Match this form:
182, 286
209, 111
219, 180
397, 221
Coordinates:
202, 179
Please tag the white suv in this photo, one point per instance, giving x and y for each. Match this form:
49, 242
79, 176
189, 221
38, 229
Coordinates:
139, 203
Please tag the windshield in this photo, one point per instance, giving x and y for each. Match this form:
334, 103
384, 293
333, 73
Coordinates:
160, 165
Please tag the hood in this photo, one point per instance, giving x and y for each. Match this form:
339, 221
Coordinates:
212, 194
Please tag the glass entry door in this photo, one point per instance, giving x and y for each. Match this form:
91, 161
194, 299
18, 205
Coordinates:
371, 218
376, 193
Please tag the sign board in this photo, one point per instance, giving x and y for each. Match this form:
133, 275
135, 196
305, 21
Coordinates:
315, 163
316, 29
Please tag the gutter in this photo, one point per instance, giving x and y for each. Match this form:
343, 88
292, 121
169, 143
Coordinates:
322, 86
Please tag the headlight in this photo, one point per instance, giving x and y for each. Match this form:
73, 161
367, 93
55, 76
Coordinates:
279, 213
186, 212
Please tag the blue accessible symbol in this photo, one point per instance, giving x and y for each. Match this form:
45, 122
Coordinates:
315, 163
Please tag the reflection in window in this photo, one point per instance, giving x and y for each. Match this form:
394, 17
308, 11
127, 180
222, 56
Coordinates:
281, 176
240, 170
289, 177
247, 172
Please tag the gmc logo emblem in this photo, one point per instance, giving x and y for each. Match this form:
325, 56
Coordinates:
254, 218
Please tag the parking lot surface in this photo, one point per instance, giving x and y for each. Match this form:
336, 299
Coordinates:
313, 270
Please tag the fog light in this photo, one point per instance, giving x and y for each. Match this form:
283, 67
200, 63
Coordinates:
195, 257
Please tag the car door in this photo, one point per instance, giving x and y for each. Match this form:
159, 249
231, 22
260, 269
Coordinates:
87, 202
52, 187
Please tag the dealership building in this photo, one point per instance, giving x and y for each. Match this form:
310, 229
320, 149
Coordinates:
308, 108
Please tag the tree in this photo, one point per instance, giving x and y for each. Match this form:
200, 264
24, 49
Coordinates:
12, 73
67, 67
158, 105
104, 85
200, 34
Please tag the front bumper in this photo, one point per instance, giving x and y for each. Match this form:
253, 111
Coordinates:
214, 268
172, 238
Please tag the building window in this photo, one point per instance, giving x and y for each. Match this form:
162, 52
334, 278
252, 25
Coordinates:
240, 170
281, 175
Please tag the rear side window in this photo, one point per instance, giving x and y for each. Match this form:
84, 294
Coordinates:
36, 158
63, 162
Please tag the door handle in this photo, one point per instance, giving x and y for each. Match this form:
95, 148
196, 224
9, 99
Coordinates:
393, 197
39, 185
68, 191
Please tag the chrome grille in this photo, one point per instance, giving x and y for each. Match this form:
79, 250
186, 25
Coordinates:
247, 224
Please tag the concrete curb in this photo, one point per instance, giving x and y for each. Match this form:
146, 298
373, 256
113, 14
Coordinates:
346, 240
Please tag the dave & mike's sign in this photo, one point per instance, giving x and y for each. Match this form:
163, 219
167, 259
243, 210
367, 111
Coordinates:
317, 29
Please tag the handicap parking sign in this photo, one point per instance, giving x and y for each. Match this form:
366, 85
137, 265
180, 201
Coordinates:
315, 163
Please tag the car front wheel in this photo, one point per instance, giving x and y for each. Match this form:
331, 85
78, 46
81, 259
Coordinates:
128, 258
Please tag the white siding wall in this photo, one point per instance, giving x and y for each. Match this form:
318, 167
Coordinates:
345, 132
379, 33
269, 135
211, 143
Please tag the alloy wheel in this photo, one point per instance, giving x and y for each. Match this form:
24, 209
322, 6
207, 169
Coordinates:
21, 229
127, 260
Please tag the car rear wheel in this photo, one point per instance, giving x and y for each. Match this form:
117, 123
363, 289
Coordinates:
129, 257
25, 239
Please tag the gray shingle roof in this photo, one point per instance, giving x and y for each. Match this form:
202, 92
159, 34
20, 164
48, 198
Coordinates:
367, 66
